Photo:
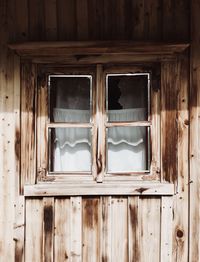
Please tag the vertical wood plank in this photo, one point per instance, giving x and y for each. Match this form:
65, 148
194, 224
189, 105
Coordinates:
96, 19
50, 16
168, 17
194, 156
180, 205
7, 185
28, 140
34, 230
150, 229
166, 229
21, 20
169, 128
66, 19
36, 20
108, 14
91, 234
76, 228
119, 229
19, 229
82, 19
133, 229
48, 224
152, 20
7, 133
19, 200
106, 232
62, 230
182, 20
138, 20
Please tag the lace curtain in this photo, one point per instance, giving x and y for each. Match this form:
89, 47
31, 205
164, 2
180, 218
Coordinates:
126, 146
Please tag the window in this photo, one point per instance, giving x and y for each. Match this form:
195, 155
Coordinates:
98, 124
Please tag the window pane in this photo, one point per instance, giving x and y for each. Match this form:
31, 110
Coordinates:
70, 98
70, 149
127, 97
127, 149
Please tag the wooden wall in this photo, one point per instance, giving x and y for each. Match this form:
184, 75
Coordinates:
152, 20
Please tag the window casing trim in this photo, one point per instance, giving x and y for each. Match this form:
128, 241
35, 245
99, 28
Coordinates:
98, 151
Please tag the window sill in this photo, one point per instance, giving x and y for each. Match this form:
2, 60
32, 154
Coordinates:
56, 189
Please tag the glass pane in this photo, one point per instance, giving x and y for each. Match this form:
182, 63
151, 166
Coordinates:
70, 149
127, 97
127, 149
70, 98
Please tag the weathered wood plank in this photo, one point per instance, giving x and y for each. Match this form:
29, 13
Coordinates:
91, 232
118, 188
7, 153
119, 229
97, 47
67, 27
28, 127
50, 16
194, 156
48, 229
19, 200
169, 127
36, 20
149, 210
166, 229
62, 230
106, 232
82, 17
168, 20
21, 20
96, 19
19, 226
138, 15
133, 229
76, 228
180, 205
152, 20
34, 230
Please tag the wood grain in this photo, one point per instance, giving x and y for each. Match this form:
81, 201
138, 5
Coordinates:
62, 240
34, 230
91, 233
28, 124
194, 152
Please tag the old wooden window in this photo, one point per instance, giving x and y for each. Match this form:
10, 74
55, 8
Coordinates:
98, 124
94, 117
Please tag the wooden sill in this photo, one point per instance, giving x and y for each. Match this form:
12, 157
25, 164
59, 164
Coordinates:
97, 52
56, 189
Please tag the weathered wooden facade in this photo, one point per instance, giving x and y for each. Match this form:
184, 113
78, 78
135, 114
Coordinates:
140, 222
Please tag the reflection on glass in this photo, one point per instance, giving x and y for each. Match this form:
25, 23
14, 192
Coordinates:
127, 149
127, 97
70, 98
70, 149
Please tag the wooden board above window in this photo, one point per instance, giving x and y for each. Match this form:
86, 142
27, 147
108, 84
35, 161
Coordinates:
97, 52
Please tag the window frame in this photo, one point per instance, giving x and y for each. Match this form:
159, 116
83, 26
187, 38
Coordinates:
98, 125
37, 55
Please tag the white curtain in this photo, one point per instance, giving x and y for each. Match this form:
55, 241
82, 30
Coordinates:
126, 145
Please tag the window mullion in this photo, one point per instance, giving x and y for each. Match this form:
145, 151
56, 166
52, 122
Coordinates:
100, 132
